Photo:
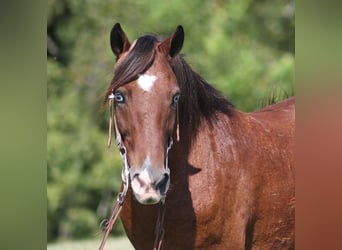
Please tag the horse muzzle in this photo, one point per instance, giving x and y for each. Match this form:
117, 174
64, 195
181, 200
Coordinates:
150, 185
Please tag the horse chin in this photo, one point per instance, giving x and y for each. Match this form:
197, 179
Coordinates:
148, 199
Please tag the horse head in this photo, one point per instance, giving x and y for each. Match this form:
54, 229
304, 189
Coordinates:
146, 96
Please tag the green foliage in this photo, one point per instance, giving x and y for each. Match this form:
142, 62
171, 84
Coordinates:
244, 48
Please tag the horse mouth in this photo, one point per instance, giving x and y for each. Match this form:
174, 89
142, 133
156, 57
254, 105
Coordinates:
149, 201
148, 198
148, 191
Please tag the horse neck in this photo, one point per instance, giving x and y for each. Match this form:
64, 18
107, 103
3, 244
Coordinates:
199, 100
217, 133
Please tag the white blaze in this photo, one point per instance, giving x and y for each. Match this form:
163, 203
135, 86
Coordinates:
146, 82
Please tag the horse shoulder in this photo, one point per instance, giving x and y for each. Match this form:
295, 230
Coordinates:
271, 142
220, 191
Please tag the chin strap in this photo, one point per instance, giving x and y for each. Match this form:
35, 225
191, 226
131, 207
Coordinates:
159, 229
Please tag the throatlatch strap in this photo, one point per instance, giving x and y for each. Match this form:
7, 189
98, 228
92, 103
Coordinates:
177, 123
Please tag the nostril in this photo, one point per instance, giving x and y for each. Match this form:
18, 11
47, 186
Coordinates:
161, 185
135, 176
122, 151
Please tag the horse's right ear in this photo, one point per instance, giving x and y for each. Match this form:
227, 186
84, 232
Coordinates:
118, 40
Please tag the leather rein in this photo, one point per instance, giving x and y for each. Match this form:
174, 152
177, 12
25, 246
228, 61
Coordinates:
159, 230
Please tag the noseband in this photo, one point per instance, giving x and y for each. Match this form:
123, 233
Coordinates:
159, 230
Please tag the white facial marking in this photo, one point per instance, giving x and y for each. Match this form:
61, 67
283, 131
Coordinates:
146, 82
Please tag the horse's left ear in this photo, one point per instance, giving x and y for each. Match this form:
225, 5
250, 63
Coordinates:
172, 45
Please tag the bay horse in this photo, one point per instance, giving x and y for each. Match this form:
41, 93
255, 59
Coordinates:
228, 180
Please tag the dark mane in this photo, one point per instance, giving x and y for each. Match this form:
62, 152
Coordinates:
199, 100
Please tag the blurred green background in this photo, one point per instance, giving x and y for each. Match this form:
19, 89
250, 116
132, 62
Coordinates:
244, 48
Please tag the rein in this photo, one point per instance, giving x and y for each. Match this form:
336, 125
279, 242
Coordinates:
159, 230
124, 174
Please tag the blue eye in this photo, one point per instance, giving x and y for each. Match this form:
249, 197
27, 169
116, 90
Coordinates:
175, 99
119, 97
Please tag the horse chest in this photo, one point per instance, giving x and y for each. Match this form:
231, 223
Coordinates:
207, 195
205, 192
207, 183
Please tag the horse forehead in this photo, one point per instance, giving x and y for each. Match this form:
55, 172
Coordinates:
157, 82
147, 81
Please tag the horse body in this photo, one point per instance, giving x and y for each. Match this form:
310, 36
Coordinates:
230, 198
231, 174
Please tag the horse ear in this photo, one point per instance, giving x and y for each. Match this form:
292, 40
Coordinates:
118, 40
173, 44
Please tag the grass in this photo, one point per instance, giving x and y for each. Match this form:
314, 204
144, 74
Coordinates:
119, 243
276, 95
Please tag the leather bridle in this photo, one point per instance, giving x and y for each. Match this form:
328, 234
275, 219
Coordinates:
159, 230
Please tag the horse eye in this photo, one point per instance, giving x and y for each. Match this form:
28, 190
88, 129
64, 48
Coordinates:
119, 97
175, 99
